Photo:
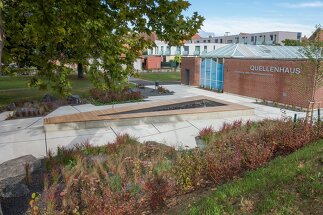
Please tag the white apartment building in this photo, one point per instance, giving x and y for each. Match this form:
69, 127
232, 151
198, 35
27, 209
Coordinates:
188, 49
265, 38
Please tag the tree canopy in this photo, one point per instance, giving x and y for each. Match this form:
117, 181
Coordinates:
289, 42
105, 36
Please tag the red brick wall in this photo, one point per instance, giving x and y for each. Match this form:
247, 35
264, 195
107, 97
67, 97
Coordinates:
284, 88
193, 65
319, 96
153, 62
318, 34
321, 36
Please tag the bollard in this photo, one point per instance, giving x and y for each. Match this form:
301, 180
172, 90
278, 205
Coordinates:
156, 84
295, 120
318, 115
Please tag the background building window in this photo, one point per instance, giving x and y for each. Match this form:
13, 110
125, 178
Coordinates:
197, 50
186, 50
168, 50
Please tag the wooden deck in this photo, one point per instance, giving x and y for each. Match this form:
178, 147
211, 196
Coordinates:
114, 114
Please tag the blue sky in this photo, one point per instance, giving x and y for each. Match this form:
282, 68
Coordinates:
252, 16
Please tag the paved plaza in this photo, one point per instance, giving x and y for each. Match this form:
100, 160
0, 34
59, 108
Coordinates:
27, 136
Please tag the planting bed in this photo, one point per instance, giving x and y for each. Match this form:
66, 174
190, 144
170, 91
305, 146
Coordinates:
126, 177
147, 92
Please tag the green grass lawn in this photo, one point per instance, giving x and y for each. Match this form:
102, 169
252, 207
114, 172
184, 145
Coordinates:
13, 89
161, 76
288, 185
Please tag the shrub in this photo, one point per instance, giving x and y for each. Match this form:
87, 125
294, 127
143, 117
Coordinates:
230, 126
33, 109
223, 162
106, 97
158, 189
285, 135
206, 134
255, 152
189, 169
33, 203
162, 90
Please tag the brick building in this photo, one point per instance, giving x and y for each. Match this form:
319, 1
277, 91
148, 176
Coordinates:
152, 62
272, 73
317, 35
190, 71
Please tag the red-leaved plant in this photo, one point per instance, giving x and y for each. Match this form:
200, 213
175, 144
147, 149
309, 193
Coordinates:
206, 133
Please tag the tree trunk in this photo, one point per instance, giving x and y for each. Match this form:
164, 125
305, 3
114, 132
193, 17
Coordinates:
2, 37
80, 71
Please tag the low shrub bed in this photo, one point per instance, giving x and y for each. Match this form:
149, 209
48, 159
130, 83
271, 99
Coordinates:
107, 97
125, 177
290, 184
34, 109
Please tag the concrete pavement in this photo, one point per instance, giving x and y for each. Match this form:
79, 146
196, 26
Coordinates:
27, 136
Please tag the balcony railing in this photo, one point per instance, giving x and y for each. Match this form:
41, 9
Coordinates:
167, 52
196, 53
161, 52
177, 52
185, 53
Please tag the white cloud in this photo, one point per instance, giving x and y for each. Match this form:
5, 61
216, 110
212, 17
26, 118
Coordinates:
313, 4
220, 25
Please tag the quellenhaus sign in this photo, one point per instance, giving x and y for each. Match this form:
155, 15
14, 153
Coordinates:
291, 70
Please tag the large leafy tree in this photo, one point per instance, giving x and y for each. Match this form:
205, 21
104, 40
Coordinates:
103, 36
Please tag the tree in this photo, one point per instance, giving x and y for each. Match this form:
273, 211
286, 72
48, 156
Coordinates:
80, 71
104, 36
2, 35
289, 42
178, 60
310, 81
313, 50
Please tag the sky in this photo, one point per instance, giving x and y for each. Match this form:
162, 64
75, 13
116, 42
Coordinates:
251, 16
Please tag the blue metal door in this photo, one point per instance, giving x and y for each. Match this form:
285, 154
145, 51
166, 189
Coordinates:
211, 75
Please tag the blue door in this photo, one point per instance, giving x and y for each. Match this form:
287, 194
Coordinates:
211, 75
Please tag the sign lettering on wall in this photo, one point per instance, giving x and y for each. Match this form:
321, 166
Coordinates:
276, 69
